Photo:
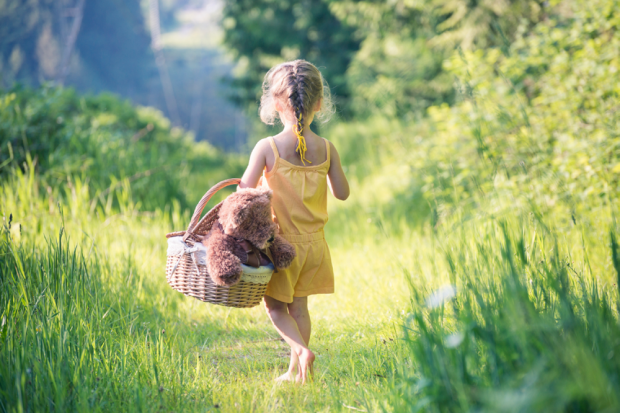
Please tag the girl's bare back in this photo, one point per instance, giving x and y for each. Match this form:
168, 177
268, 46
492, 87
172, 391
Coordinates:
286, 142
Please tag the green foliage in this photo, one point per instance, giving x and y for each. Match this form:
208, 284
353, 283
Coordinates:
536, 125
543, 117
398, 68
528, 330
397, 77
521, 315
92, 326
533, 135
105, 141
88, 321
395, 70
55, 312
264, 33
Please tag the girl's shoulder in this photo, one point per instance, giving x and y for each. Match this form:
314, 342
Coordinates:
266, 151
263, 147
333, 152
263, 143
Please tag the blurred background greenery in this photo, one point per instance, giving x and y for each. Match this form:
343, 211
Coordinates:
113, 52
482, 143
378, 57
525, 86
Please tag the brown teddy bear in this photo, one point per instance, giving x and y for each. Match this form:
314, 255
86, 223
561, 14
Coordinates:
245, 234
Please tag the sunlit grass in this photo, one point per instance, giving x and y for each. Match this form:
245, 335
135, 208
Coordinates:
109, 333
93, 324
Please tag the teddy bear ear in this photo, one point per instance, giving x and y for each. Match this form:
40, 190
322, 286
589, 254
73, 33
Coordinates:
240, 216
233, 211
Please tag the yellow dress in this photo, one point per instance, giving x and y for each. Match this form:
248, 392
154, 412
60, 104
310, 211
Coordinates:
300, 209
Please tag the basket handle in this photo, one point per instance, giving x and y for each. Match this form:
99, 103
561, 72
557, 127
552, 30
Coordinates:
203, 202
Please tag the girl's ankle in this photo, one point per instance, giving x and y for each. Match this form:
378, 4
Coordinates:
301, 351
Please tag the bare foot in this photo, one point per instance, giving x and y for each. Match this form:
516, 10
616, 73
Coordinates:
288, 376
306, 360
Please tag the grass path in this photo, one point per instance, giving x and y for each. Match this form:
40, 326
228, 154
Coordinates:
88, 322
109, 333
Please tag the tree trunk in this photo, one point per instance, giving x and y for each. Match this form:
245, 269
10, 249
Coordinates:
161, 62
78, 13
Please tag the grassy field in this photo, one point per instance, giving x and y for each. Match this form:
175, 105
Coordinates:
89, 323
477, 260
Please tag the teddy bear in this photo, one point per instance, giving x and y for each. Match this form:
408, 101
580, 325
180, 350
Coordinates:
245, 234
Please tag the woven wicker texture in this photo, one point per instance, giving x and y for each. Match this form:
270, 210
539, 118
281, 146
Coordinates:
184, 275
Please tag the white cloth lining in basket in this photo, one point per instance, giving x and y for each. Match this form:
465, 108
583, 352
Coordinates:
198, 252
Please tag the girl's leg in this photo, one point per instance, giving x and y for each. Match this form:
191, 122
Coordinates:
298, 309
286, 326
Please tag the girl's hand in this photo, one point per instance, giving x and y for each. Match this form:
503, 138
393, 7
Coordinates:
258, 160
337, 180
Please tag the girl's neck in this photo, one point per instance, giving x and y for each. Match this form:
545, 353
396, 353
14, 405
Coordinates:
289, 123
288, 127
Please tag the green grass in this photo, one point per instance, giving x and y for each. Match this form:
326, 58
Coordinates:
90, 324
533, 327
86, 305
477, 261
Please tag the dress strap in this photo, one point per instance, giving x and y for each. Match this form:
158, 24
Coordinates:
327, 146
274, 147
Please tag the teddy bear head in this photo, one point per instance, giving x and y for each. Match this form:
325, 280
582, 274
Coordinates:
247, 214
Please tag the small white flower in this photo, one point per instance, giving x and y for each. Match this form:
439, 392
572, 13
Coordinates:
453, 340
440, 296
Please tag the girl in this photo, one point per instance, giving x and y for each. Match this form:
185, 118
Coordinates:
298, 165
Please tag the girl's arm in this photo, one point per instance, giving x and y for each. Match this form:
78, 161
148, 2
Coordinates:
255, 167
337, 180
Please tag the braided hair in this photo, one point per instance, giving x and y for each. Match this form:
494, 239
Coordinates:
298, 85
296, 98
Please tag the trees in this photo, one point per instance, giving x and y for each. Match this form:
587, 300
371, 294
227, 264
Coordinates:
111, 50
398, 69
262, 33
23, 26
380, 56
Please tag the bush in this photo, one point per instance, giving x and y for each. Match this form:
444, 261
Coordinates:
106, 141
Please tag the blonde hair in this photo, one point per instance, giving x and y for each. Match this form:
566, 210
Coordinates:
298, 85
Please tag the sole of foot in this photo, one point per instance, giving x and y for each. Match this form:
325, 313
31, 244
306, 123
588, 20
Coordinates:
306, 361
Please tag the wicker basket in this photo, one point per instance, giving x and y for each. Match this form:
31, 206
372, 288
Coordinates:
186, 271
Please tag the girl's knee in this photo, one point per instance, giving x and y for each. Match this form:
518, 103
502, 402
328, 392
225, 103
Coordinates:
298, 307
274, 306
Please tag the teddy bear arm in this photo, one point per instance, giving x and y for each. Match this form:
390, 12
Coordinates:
223, 265
283, 252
